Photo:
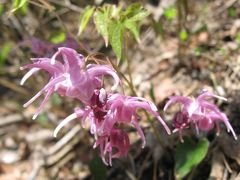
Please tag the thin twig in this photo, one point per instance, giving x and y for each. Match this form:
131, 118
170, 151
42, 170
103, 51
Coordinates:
129, 67
62, 142
47, 4
226, 164
44, 6
14, 118
56, 153
13, 86
52, 16
35, 171
130, 175
68, 5
56, 157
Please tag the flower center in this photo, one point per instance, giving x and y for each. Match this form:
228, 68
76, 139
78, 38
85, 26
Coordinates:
98, 104
181, 120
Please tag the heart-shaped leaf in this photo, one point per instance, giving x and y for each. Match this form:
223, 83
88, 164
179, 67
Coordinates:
188, 155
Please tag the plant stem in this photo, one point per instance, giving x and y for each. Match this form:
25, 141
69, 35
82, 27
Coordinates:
129, 67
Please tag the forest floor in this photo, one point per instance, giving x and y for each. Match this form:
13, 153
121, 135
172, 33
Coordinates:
162, 64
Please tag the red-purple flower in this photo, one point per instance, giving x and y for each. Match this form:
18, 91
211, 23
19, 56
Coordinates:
108, 111
199, 112
68, 76
123, 109
104, 111
114, 145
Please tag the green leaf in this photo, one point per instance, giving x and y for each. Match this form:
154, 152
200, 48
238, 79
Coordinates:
139, 16
238, 38
170, 13
135, 12
84, 18
158, 28
1, 9
198, 51
232, 12
98, 169
115, 29
132, 9
222, 50
58, 37
188, 155
17, 4
101, 19
183, 35
23, 10
4, 52
133, 28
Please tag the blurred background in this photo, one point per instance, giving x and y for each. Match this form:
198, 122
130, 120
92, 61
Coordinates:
185, 46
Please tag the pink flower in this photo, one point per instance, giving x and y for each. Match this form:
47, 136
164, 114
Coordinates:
68, 76
117, 141
199, 112
109, 110
123, 109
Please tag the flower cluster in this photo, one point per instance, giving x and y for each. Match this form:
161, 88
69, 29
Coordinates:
199, 113
105, 111
70, 75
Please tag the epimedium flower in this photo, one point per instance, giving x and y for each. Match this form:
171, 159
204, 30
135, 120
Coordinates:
110, 110
105, 112
69, 76
199, 113
114, 145
123, 109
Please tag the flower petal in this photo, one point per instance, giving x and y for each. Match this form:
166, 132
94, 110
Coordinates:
178, 99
